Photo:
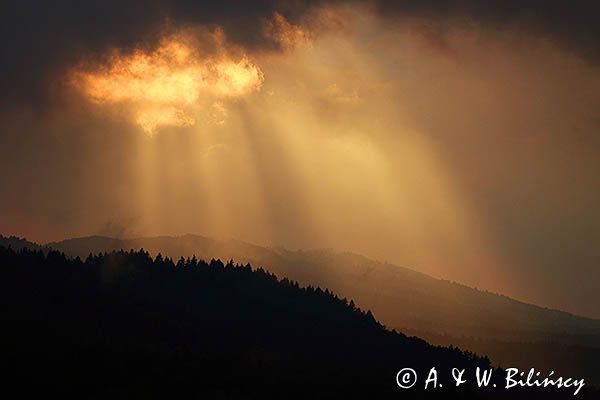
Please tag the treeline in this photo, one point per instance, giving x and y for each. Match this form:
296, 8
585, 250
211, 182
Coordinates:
399, 297
126, 325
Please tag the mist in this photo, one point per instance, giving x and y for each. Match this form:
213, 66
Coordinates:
456, 148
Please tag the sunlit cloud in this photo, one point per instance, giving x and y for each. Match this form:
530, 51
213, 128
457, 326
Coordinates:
233, 79
285, 34
150, 118
163, 87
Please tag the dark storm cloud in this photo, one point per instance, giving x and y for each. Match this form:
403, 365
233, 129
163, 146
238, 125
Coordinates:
38, 39
572, 23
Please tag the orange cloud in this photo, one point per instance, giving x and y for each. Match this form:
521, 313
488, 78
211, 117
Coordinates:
285, 34
162, 87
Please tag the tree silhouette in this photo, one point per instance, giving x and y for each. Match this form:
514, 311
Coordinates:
123, 324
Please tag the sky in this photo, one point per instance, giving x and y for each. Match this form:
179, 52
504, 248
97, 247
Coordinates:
457, 138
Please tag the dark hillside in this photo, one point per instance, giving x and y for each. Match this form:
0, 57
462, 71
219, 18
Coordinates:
125, 325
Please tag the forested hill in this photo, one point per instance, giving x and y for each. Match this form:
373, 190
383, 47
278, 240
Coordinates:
400, 297
17, 243
126, 325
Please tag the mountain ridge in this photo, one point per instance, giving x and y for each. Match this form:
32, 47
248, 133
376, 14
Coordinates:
313, 266
282, 250
439, 311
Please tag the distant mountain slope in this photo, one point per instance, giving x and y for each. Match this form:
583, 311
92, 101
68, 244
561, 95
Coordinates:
399, 297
